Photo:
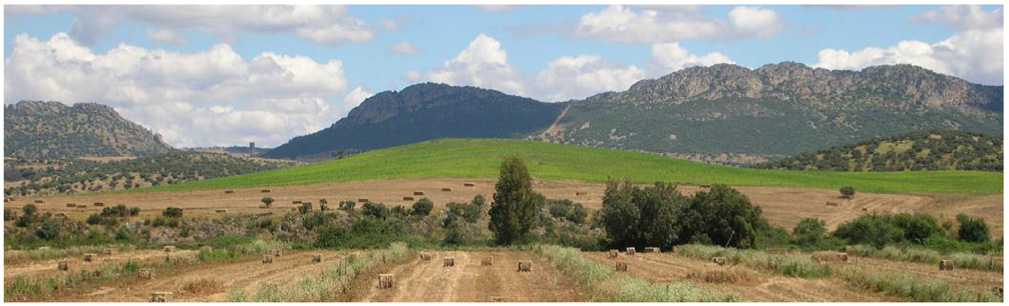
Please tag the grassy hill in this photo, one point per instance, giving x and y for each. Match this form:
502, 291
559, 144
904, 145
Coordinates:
939, 150
481, 158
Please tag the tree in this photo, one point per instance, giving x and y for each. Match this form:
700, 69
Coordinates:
422, 207
377, 210
515, 207
172, 212
809, 231
725, 216
268, 201
305, 207
972, 229
620, 216
29, 209
848, 192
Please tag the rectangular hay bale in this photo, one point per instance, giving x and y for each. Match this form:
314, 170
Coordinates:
653, 250
621, 267
385, 281
446, 189
630, 251
525, 266
62, 266
416, 193
89, 257
71, 204
945, 265
487, 261
426, 256
468, 184
265, 191
229, 191
267, 259
448, 262
614, 253
98, 204
407, 198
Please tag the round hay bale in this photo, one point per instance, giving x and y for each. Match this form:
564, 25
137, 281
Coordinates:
614, 253
487, 261
385, 281
62, 266
630, 251
721, 261
362, 200
448, 262
621, 267
525, 266
221, 211
39, 201
276, 252
842, 256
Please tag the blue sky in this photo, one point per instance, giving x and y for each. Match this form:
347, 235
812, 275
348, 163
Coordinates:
545, 47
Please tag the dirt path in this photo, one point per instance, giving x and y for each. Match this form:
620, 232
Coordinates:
752, 285
77, 263
248, 274
554, 131
469, 281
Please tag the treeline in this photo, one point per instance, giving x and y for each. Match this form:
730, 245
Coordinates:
76, 175
937, 150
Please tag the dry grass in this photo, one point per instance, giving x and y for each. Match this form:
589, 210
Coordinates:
722, 276
202, 287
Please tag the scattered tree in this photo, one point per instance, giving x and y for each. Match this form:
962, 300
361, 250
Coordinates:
515, 208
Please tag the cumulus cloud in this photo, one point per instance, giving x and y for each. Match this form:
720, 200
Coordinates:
323, 24
166, 36
394, 24
484, 64
412, 75
579, 77
671, 57
404, 47
497, 8
974, 54
355, 97
665, 24
267, 99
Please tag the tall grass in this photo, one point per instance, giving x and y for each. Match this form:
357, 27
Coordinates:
605, 285
328, 285
254, 248
960, 259
908, 287
793, 265
19, 256
25, 288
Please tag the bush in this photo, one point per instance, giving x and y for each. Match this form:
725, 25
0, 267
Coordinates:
8, 215
467, 211
809, 232
847, 192
724, 215
348, 206
377, 210
972, 229
49, 229
305, 208
29, 209
869, 229
365, 233
172, 212
422, 207
569, 210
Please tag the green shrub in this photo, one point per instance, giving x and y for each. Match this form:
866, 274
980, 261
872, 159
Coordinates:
377, 210
172, 212
365, 233
848, 192
908, 287
567, 209
422, 207
972, 229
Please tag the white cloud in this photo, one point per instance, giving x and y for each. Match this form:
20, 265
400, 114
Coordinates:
664, 24
166, 36
394, 24
323, 24
412, 75
671, 57
484, 64
963, 17
208, 97
355, 97
976, 54
497, 8
578, 77
404, 47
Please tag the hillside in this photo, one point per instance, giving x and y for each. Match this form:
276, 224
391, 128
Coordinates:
52, 130
944, 150
33, 177
424, 112
785, 108
462, 158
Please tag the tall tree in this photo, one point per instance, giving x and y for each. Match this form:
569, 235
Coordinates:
515, 207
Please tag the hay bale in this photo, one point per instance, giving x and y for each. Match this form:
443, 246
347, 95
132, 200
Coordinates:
160, 296
169, 248
865, 209
206, 248
630, 251
220, 211
98, 204
296, 202
317, 258
407, 198
88, 257
614, 253
426, 256
721, 261
229, 191
706, 186
487, 261
265, 191
653, 250
446, 189
39, 201
362, 200
829, 257
525, 266
498, 299
276, 252
71, 204
468, 184
267, 259
578, 193
61, 215
62, 266
621, 267
945, 265
82, 205
448, 262
146, 274
842, 256
108, 251
834, 204
418, 193
385, 281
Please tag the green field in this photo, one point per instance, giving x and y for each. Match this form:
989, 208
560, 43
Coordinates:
461, 158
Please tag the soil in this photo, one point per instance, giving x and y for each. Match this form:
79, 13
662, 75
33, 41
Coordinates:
469, 281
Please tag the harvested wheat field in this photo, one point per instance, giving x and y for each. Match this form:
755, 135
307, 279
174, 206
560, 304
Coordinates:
469, 281
977, 280
211, 282
749, 284
782, 206
77, 263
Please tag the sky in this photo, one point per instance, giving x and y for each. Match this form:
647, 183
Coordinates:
228, 75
